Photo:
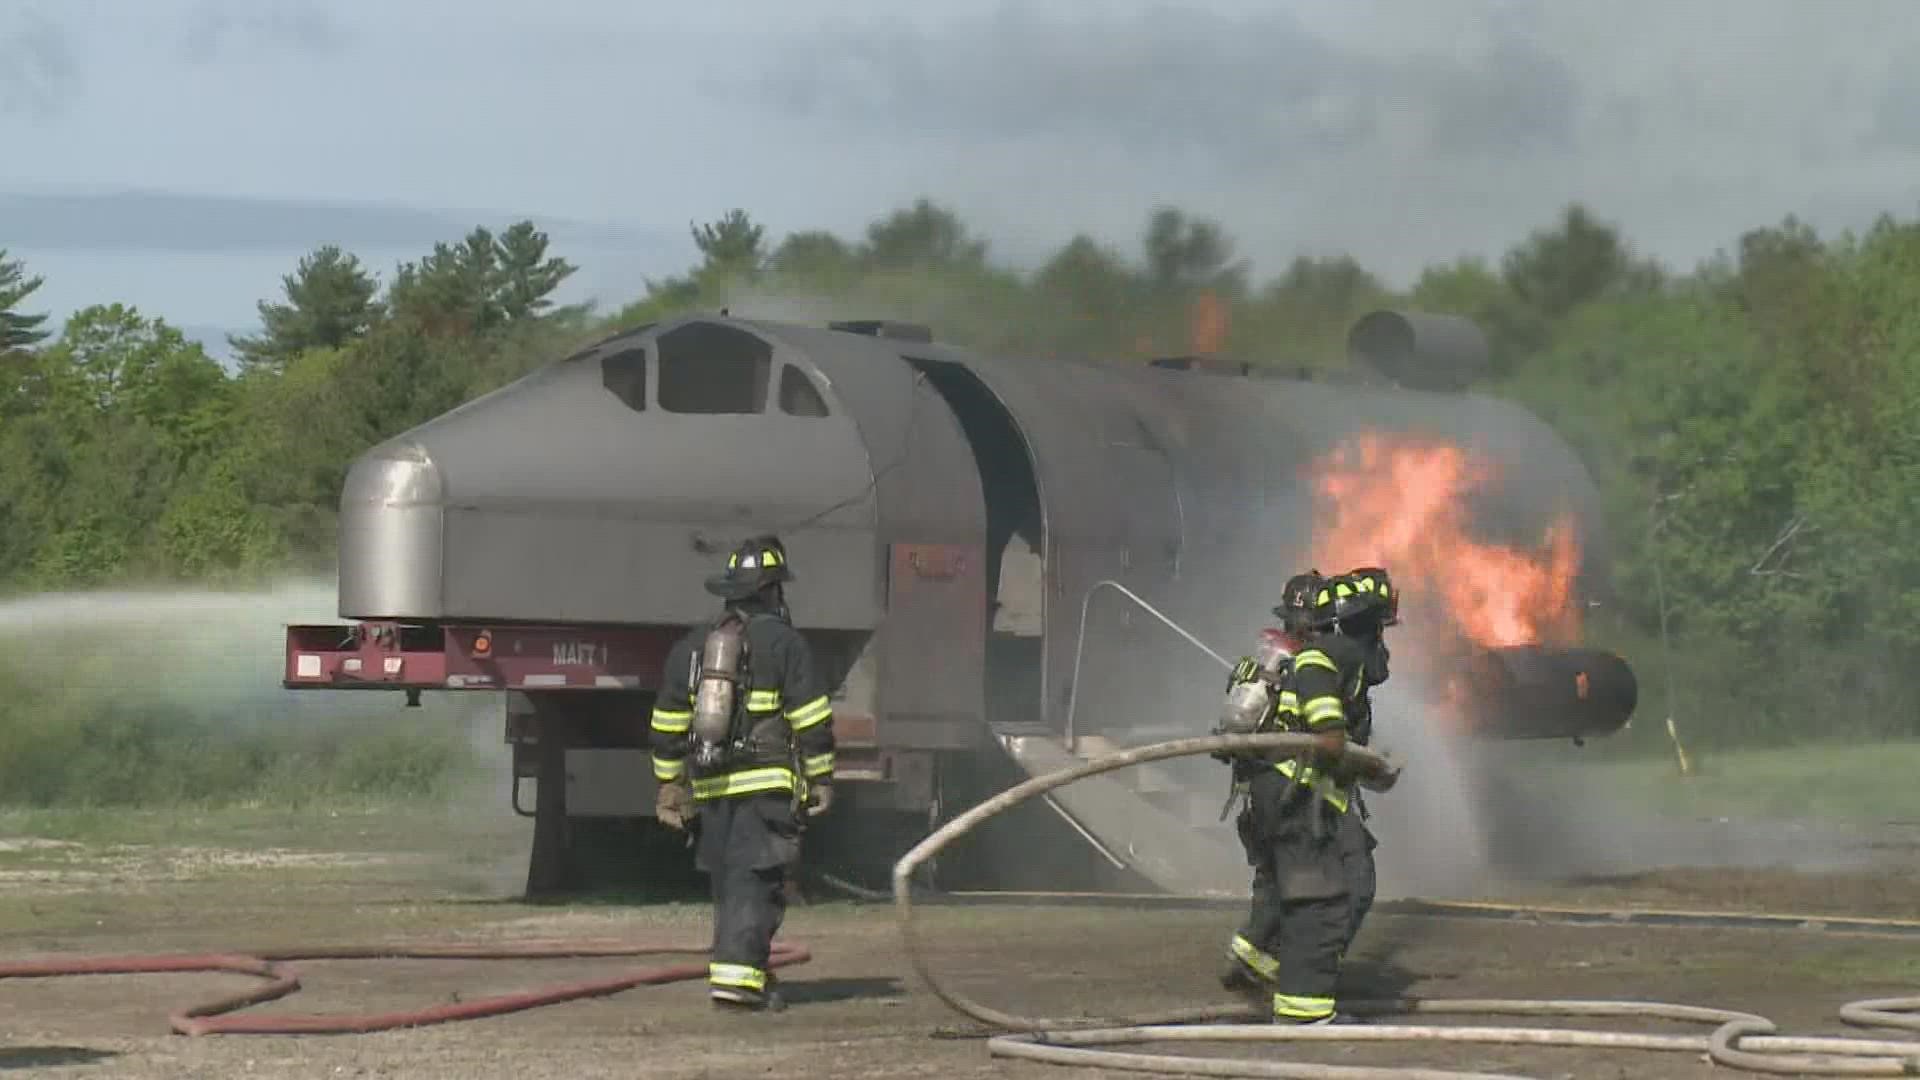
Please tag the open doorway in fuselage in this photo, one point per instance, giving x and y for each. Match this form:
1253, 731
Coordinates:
1016, 541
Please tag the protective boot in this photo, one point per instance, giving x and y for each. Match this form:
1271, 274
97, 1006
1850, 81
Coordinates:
1249, 970
741, 999
1332, 1018
1240, 978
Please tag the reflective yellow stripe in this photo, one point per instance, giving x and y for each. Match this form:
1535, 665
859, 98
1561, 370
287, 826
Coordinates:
767, 558
1262, 964
763, 700
1308, 774
806, 716
819, 765
744, 782
1324, 710
741, 975
1288, 705
1320, 782
668, 770
1315, 658
671, 721
1295, 1007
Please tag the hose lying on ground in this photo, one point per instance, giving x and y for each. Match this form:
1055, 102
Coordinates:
269, 964
1739, 1040
858, 892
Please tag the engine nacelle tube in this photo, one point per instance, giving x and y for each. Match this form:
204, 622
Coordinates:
1542, 692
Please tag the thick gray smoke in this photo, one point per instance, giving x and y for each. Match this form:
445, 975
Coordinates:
927, 306
1434, 841
1470, 816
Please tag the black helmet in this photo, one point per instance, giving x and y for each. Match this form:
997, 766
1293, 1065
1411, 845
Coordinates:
1373, 578
1296, 600
1353, 604
754, 565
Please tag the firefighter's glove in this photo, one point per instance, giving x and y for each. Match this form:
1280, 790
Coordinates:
674, 805
1384, 779
1224, 757
820, 800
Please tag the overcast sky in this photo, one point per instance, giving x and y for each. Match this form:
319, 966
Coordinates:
1402, 132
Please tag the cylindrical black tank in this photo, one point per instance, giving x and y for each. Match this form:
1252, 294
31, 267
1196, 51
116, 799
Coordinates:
1538, 692
1418, 349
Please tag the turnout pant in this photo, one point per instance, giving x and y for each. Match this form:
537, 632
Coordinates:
1257, 944
746, 844
1309, 903
1356, 860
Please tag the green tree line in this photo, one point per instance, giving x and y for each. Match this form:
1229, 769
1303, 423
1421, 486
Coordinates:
1750, 421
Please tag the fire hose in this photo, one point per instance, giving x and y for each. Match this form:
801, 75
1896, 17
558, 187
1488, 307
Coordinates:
270, 964
1738, 1040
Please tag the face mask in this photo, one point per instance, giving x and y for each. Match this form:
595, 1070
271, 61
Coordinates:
1377, 663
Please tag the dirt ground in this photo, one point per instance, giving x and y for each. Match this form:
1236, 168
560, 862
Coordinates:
857, 1011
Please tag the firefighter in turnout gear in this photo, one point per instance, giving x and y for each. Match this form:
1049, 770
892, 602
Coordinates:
1303, 814
1251, 962
1357, 856
742, 741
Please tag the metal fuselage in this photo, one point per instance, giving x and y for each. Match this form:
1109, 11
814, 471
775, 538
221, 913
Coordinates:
947, 515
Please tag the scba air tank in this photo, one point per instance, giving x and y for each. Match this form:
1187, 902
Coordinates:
717, 691
1250, 701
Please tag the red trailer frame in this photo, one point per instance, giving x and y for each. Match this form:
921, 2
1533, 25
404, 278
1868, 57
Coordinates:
414, 657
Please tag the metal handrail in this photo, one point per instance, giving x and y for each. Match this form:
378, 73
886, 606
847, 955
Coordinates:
1080, 646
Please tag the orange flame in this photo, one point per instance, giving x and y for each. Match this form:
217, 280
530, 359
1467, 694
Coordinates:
1401, 504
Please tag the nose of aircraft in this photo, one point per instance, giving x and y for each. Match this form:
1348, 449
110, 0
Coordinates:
601, 486
391, 512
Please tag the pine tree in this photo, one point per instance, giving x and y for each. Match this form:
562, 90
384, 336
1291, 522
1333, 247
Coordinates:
329, 304
17, 330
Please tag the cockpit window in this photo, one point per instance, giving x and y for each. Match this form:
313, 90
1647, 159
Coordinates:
798, 396
624, 374
708, 368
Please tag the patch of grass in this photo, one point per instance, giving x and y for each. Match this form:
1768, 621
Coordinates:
348, 825
115, 755
1835, 781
